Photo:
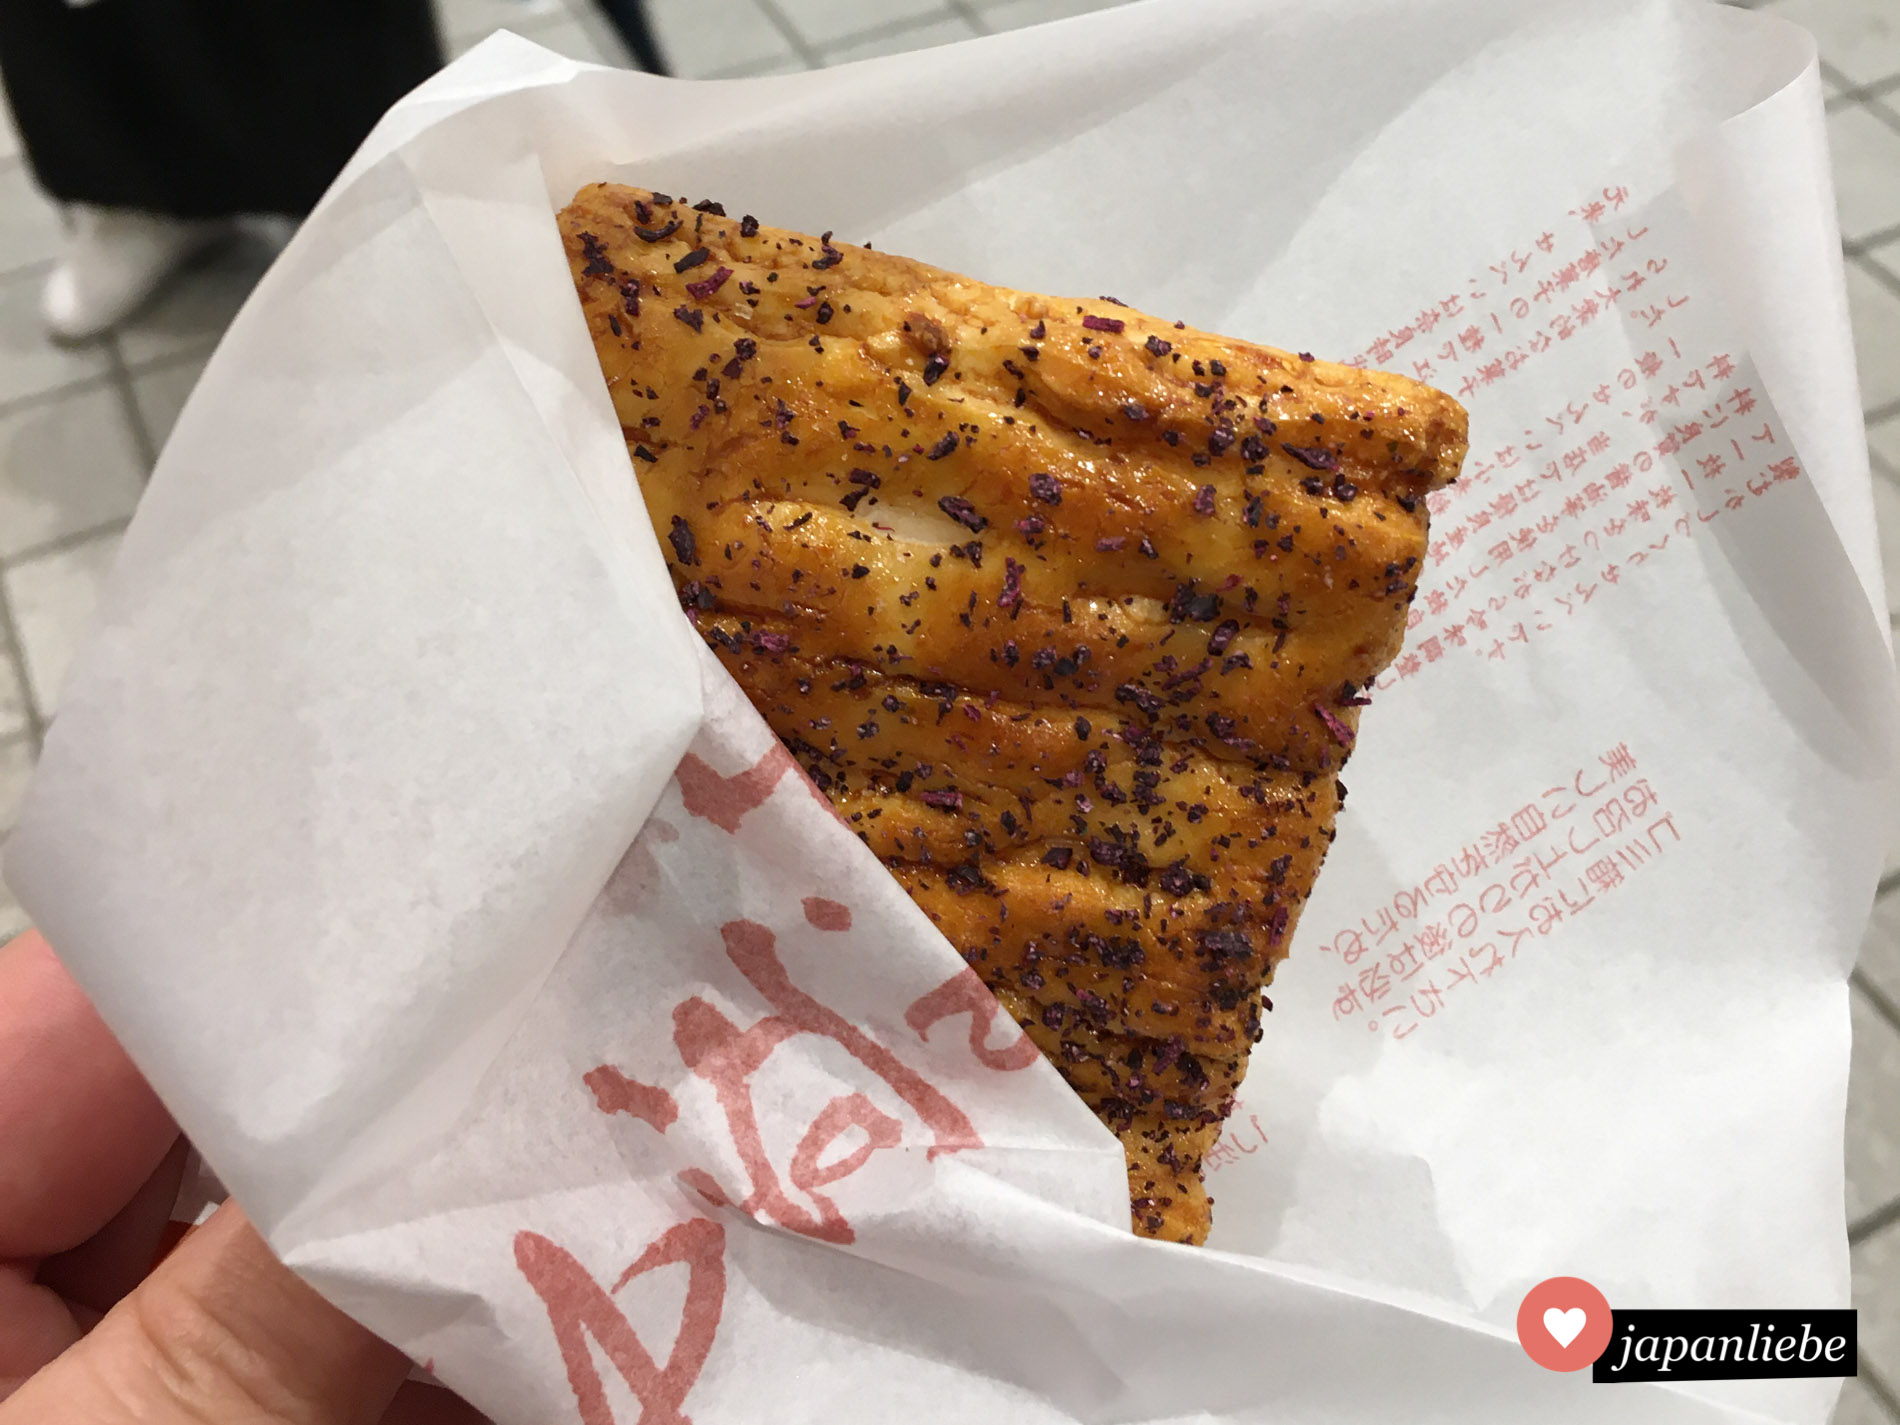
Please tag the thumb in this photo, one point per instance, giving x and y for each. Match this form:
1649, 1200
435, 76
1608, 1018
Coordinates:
221, 1333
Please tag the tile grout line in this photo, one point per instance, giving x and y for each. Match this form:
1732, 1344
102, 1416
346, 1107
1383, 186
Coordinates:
1833, 76
129, 407
15, 650
1868, 93
1881, 113
748, 69
78, 386
966, 12
801, 47
1876, 997
1878, 271
1876, 1386
65, 542
1873, 1222
26, 270
1881, 414
10, 644
1864, 246
891, 29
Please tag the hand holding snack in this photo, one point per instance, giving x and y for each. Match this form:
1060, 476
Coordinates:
477, 926
220, 1331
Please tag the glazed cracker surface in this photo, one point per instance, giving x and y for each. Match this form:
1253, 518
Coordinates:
1067, 609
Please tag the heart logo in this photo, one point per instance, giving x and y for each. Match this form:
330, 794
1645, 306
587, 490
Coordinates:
1564, 1326
1564, 1323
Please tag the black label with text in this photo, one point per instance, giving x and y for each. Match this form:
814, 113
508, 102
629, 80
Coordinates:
1727, 1345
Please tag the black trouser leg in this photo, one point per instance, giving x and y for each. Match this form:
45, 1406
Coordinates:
630, 18
205, 108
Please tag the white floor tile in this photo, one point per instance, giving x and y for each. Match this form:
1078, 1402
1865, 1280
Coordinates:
67, 464
195, 308
29, 362
1866, 171
16, 766
469, 20
1859, 1407
826, 22
568, 36
1860, 38
1883, 443
1887, 516
12, 699
940, 32
1877, 1295
1875, 310
53, 598
1880, 947
1015, 14
1887, 256
760, 68
700, 39
1873, 1113
30, 229
12, 919
161, 393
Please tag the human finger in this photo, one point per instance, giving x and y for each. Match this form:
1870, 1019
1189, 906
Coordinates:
221, 1331
99, 1271
81, 1126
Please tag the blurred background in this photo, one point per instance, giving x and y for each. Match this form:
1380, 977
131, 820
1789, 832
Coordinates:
81, 421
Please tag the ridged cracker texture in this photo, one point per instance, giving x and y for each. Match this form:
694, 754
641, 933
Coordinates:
1069, 610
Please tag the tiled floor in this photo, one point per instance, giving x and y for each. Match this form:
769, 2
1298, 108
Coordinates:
1860, 51
79, 429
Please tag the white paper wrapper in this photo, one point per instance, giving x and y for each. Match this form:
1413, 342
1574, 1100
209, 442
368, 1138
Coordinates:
478, 934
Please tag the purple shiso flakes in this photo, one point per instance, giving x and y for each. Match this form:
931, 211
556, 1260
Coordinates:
1315, 457
1341, 733
963, 512
1012, 593
699, 291
685, 548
